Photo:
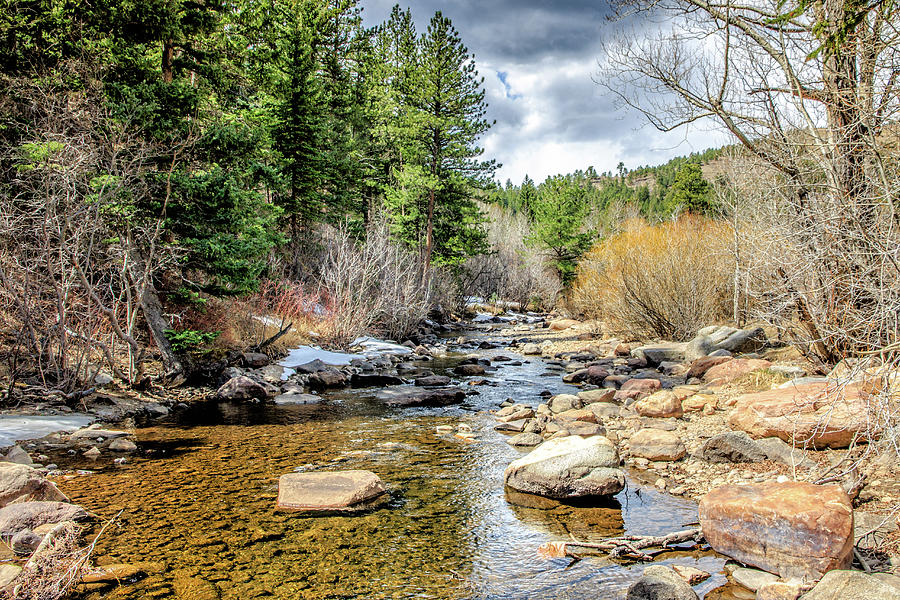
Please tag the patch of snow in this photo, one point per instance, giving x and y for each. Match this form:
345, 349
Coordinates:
372, 346
304, 354
483, 318
14, 428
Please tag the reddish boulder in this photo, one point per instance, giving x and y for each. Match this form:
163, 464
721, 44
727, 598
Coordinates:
817, 414
793, 529
728, 371
637, 388
655, 444
700, 366
563, 324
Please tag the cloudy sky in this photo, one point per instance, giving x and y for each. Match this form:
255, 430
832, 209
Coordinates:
538, 58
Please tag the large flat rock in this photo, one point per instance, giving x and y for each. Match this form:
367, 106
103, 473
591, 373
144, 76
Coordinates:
418, 396
816, 414
792, 529
328, 491
568, 467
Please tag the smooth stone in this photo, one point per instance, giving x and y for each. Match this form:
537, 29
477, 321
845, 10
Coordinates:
21, 483
659, 582
852, 585
30, 515
122, 445
568, 467
752, 579
656, 445
732, 446
326, 491
525, 440
416, 396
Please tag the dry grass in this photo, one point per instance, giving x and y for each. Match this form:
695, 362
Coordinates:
666, 280
54, 571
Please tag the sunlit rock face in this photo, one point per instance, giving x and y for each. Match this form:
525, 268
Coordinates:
793, 529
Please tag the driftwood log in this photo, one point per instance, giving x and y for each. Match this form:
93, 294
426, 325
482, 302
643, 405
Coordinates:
629, 546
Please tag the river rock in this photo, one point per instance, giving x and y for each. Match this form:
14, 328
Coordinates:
522, 412
659, 582
326, 491
417, 396
656, 445
691, 575
568, 467
563, 402
21, 483
718, 338
361, 380
432, 381
17, 455
700, 366
531, 350
780, 590
732, 446
244, 388
656, 354
330, 379
662, 404
807, 529
583, 428
29, 515
92, 453
594, 396
295, 398
733, 369
120, 572
469, 370
25, 542
8, 574
122, 445
780, 451
852, 585
93, 433
752, 579
820, 414
576, 414
635, 389
563, 324
524, 440
255, 360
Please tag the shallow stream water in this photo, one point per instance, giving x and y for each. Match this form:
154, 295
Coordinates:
200, 500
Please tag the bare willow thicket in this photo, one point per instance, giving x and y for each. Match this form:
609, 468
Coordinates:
76, 258
817, 111
667, 280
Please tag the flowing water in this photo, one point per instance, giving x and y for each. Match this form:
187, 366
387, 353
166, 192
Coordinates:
199, 500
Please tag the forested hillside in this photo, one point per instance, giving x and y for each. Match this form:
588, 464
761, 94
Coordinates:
172, 152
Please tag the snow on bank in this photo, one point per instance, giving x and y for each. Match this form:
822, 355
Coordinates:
14, 427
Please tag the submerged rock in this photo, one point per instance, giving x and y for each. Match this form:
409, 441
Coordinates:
568, 467
793, 529
660, 583
416, 396
324, 491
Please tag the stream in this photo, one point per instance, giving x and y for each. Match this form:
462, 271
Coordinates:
199, 500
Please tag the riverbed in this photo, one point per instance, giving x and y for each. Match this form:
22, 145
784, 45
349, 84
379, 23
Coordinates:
199, 500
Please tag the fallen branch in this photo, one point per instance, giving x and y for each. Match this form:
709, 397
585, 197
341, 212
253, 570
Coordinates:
263, 345
629, 546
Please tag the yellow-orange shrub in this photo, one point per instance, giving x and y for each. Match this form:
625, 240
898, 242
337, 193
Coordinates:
666, 280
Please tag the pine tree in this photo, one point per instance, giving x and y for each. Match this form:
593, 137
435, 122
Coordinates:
451, 100
690, 191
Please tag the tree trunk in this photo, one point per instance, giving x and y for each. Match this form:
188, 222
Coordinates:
168, 54
429, 234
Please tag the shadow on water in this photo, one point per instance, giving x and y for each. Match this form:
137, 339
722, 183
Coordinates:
448, 530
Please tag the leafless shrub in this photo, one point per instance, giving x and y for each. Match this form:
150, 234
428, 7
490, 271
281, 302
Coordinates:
667, 280
513, 272
371, 286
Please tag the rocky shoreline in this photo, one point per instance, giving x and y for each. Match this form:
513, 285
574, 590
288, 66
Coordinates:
669, 413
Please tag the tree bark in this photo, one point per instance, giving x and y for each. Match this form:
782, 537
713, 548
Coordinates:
168, 55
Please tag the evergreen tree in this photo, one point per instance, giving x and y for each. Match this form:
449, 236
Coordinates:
560, 210
451, 100
690, 191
